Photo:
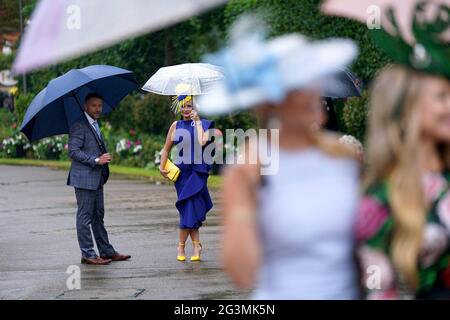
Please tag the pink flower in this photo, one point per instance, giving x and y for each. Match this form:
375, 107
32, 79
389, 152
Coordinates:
377, 273
66, 146
435, 242
137, 142
433, 184
132, 132
371, 216
443, 211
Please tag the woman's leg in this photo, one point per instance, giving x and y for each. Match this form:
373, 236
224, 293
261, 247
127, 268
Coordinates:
183, 235
195, 237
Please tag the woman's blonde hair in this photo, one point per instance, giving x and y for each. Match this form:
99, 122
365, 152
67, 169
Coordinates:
393, 139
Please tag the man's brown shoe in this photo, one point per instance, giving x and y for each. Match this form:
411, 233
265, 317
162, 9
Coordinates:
117, 257
96, 261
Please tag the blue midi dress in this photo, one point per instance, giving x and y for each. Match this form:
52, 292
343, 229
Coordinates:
194, 200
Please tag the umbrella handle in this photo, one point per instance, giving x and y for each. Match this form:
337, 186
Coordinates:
100, 143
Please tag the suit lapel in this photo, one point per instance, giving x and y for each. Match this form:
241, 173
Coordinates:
98, 139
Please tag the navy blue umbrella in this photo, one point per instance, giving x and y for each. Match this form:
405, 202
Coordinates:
343, 84
57, 106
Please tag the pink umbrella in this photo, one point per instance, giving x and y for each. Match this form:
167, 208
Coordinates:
62, 29
367, 10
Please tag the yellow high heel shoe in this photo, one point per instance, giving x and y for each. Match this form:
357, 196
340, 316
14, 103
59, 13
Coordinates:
181, 258
197, 258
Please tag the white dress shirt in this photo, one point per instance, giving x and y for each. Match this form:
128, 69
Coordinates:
91, 122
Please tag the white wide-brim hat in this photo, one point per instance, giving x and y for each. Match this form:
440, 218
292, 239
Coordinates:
258, 71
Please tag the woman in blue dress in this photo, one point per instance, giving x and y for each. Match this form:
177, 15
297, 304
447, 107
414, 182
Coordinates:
191, 136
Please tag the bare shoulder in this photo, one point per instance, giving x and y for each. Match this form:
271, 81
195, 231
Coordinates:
173, 125
241, 174
232, 173
233, 182
332, 144
330, 137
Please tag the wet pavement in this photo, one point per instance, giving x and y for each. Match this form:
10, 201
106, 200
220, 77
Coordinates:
38, 242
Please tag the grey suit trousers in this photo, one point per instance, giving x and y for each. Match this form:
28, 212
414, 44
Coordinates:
91, 211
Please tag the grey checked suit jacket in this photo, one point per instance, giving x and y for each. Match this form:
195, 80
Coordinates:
83, 149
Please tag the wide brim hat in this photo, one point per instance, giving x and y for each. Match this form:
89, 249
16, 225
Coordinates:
259, 71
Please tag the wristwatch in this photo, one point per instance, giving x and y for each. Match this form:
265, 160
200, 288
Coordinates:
97, 160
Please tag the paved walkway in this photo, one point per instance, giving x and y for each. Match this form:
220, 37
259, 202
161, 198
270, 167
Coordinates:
38, 242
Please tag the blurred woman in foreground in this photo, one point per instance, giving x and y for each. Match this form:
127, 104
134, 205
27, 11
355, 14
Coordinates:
288, 234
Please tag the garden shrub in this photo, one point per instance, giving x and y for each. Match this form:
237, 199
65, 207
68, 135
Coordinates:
355, 113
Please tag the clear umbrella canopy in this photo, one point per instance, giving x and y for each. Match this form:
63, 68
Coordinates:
188, 79
63, 29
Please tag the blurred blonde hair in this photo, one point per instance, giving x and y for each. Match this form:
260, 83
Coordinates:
393, 138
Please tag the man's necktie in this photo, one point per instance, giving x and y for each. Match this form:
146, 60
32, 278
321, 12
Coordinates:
97, 129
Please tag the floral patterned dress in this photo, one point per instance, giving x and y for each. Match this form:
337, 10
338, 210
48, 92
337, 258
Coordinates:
374, 228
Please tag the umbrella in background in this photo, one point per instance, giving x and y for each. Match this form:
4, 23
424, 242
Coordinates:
57, 106
188, 78
62, 29
344, 84
364, 10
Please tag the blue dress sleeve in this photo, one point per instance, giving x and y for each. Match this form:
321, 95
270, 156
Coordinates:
207, 124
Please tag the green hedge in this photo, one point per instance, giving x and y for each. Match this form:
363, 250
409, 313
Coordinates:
21, 104
188, 42
8, 123
145, 112
355, 114
285, 16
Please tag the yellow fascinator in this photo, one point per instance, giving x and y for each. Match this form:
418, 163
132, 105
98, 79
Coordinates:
181, 98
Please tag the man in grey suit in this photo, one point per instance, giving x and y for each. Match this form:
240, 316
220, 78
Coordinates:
88, 173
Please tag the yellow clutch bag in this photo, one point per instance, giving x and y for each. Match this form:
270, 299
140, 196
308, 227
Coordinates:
174, 171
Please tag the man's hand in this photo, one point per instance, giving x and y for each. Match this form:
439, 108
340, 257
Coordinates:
104, 159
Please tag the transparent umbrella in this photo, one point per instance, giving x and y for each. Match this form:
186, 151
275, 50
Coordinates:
343, 84
188, 78
63, 29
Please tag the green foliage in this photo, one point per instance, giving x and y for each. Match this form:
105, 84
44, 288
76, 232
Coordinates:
9, 15
21, 104
53, 148
133, 148
354, 114
28, 8
144, 55
15, 146
243, 120
8, 123
198, 36
149, 115
285, 16
6, 61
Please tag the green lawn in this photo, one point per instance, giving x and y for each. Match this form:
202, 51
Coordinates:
130, 172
